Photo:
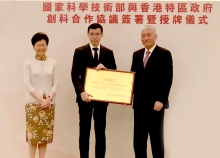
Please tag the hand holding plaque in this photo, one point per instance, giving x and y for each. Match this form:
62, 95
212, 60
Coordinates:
85, 96
100, 67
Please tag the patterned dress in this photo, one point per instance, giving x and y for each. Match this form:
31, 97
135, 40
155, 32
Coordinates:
39, 124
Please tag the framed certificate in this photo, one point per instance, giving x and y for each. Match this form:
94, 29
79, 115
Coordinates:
111, 86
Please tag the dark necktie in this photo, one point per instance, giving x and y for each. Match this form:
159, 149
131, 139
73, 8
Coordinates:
96, 55
146, 58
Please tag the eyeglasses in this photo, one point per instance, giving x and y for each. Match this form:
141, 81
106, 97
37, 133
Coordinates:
41, 45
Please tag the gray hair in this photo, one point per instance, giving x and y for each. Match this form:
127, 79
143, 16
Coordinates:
149, 27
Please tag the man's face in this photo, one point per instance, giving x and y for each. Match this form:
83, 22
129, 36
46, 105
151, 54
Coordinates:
148, 38
95, 36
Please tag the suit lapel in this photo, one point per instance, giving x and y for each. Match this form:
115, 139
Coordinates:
153, 54
101, 53
141, 57
89, 52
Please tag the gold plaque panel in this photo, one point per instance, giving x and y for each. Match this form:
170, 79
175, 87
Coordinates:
111, 86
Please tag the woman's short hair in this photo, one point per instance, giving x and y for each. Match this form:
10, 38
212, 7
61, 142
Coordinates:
38, 37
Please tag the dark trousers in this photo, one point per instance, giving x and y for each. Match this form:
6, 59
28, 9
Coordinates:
147, 121
86, 111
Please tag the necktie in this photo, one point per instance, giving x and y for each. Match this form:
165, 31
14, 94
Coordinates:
146, 58
96, 55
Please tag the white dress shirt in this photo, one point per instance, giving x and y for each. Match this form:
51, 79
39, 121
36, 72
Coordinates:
93, 52
151, 50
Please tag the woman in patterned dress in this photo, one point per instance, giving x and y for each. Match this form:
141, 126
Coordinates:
41, 84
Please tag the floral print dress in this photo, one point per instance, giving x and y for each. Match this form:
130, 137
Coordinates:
39, 124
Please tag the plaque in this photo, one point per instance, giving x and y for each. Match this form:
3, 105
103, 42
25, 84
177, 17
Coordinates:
111, 86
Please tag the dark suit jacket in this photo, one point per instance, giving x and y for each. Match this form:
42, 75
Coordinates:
153, 82
83, 58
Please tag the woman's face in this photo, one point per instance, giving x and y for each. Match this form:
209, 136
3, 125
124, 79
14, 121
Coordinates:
40, 47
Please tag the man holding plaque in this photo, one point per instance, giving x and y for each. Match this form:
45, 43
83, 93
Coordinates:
153, 79
97, 56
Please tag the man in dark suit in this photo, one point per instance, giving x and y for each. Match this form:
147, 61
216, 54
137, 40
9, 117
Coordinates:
153, 79
97, 56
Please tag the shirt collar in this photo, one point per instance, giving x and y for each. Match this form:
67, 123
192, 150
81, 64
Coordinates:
152, 49
42, 58
91, 46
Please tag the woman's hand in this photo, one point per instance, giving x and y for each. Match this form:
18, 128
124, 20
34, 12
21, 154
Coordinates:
49, 100
44, 103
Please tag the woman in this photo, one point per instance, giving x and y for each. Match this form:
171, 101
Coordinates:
41, 85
